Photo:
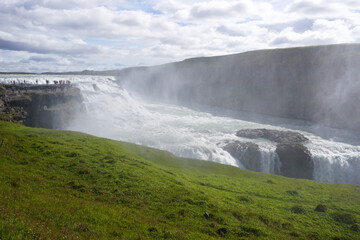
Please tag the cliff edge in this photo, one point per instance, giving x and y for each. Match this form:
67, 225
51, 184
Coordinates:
46, 106
319, 84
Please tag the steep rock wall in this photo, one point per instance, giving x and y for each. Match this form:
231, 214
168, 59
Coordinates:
41, 106
318, 84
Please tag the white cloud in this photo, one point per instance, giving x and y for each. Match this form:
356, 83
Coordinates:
322, 32
36, 43
322, 8
220, 9
42, 59
68, 34
311, 7
169, 6
248, 29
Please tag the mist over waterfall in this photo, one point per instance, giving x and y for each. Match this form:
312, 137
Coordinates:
113, 112
319, 84
195, 108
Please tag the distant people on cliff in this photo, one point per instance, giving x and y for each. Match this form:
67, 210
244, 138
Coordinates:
64, 82
68, 84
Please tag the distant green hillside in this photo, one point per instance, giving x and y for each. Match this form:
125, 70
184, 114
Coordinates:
67, 185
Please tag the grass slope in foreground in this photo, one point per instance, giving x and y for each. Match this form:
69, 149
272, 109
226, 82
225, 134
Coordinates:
67, 185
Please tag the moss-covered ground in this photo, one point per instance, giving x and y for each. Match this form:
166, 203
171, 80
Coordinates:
66, 185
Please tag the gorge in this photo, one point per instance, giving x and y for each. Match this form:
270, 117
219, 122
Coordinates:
318, 84
196, 108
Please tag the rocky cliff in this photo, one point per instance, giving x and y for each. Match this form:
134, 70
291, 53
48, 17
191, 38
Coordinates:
294, 157
46, 106
318, 84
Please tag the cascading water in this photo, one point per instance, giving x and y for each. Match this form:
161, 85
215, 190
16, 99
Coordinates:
270, 161
335, 162
113, 112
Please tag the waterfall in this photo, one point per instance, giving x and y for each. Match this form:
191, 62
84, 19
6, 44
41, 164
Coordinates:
270, 162
113, 112
334, 161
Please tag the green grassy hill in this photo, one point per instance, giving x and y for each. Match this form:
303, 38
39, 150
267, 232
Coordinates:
66, 185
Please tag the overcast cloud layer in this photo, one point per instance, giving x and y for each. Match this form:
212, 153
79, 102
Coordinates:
66, 35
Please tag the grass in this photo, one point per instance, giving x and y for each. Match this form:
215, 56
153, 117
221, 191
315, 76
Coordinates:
66, 185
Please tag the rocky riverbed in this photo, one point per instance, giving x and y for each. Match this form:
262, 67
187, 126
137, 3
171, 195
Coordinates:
294, 157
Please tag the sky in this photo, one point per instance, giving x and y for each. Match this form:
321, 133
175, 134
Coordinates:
74, 35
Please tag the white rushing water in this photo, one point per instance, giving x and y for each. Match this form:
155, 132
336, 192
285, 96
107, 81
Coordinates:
114, 113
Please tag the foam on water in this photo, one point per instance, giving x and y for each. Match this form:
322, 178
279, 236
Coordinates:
114, 113
334, 161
